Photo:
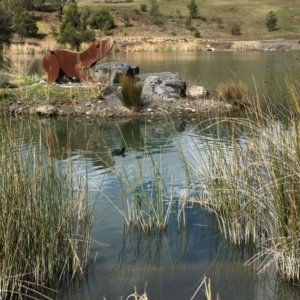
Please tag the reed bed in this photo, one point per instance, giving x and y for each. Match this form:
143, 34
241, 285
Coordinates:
252, 183
45, 216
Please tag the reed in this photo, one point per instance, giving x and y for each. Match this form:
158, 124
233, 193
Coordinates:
45, 216
233, 91
130, 92
252, 183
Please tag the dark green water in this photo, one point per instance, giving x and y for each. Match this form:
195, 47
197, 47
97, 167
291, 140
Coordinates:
174, 262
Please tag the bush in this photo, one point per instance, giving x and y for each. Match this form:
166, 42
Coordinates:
197, 34
193, 8
6, 30
234, 91
236, 29
144, 7
126, 19
130, 92
188, 23
101, 20
154, 13
271, 21
25, 25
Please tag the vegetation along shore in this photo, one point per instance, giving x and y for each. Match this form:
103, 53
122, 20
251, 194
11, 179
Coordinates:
252, 187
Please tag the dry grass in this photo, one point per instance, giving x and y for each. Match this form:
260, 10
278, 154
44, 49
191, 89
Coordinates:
233, 91
251, 19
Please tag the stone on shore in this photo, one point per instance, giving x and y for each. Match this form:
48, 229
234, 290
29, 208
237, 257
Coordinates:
197, 92
111, 72
165, 86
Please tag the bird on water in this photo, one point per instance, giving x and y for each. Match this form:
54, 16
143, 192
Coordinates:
118, 152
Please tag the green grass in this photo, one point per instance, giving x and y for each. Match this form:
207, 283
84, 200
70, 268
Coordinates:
45, 215
250, 17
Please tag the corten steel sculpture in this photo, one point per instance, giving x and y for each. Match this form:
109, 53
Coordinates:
67, 63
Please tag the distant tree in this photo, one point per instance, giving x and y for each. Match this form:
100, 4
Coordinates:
271, 21
154, 13
126, 19
25, 24
193, 8
236, 29
144, 7
6, 30
73, 29
101, 19
59, 5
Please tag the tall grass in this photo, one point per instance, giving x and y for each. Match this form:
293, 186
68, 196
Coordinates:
45, 216
253, 184
130, 92
234, 91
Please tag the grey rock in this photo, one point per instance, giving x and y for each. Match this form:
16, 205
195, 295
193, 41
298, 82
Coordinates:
112, 71
164, 86
45, 109
108, 89
6, 85
197, 92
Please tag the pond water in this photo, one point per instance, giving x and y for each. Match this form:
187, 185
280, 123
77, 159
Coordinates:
172, 264
263, 72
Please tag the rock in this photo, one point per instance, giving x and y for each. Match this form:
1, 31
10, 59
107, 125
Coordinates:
197, 92
45, 109
112, 71
6, 85
165, 86
108, 89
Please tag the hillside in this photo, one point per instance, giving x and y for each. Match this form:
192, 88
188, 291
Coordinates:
216, 19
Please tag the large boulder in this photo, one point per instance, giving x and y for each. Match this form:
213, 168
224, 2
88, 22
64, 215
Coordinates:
112, 71
164, 86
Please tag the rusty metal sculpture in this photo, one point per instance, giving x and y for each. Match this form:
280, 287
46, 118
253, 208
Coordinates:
67, 63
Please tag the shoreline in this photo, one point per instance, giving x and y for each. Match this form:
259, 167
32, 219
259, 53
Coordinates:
162, 44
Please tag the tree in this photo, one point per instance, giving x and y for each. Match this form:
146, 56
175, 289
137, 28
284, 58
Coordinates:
59, 5
73, 29
271, 21
154, 13
6, 30
25, 24
101, 19
193, 8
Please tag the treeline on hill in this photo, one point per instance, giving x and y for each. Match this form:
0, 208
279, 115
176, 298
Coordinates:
77, 26
16, 16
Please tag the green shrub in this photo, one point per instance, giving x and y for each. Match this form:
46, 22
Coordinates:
193, 8
154, 14
188, 23
220, 22
271, 21
101, 20
144, 7
197, 34
130, 92
25, 25
126, 19
236, 29
6, 30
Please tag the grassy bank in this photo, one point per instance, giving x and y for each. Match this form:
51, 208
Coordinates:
45, 215
216, 19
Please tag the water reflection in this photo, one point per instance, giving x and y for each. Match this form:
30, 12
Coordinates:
263, 72
173, 262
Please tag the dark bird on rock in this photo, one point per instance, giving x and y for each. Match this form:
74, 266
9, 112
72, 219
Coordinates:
118, 152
